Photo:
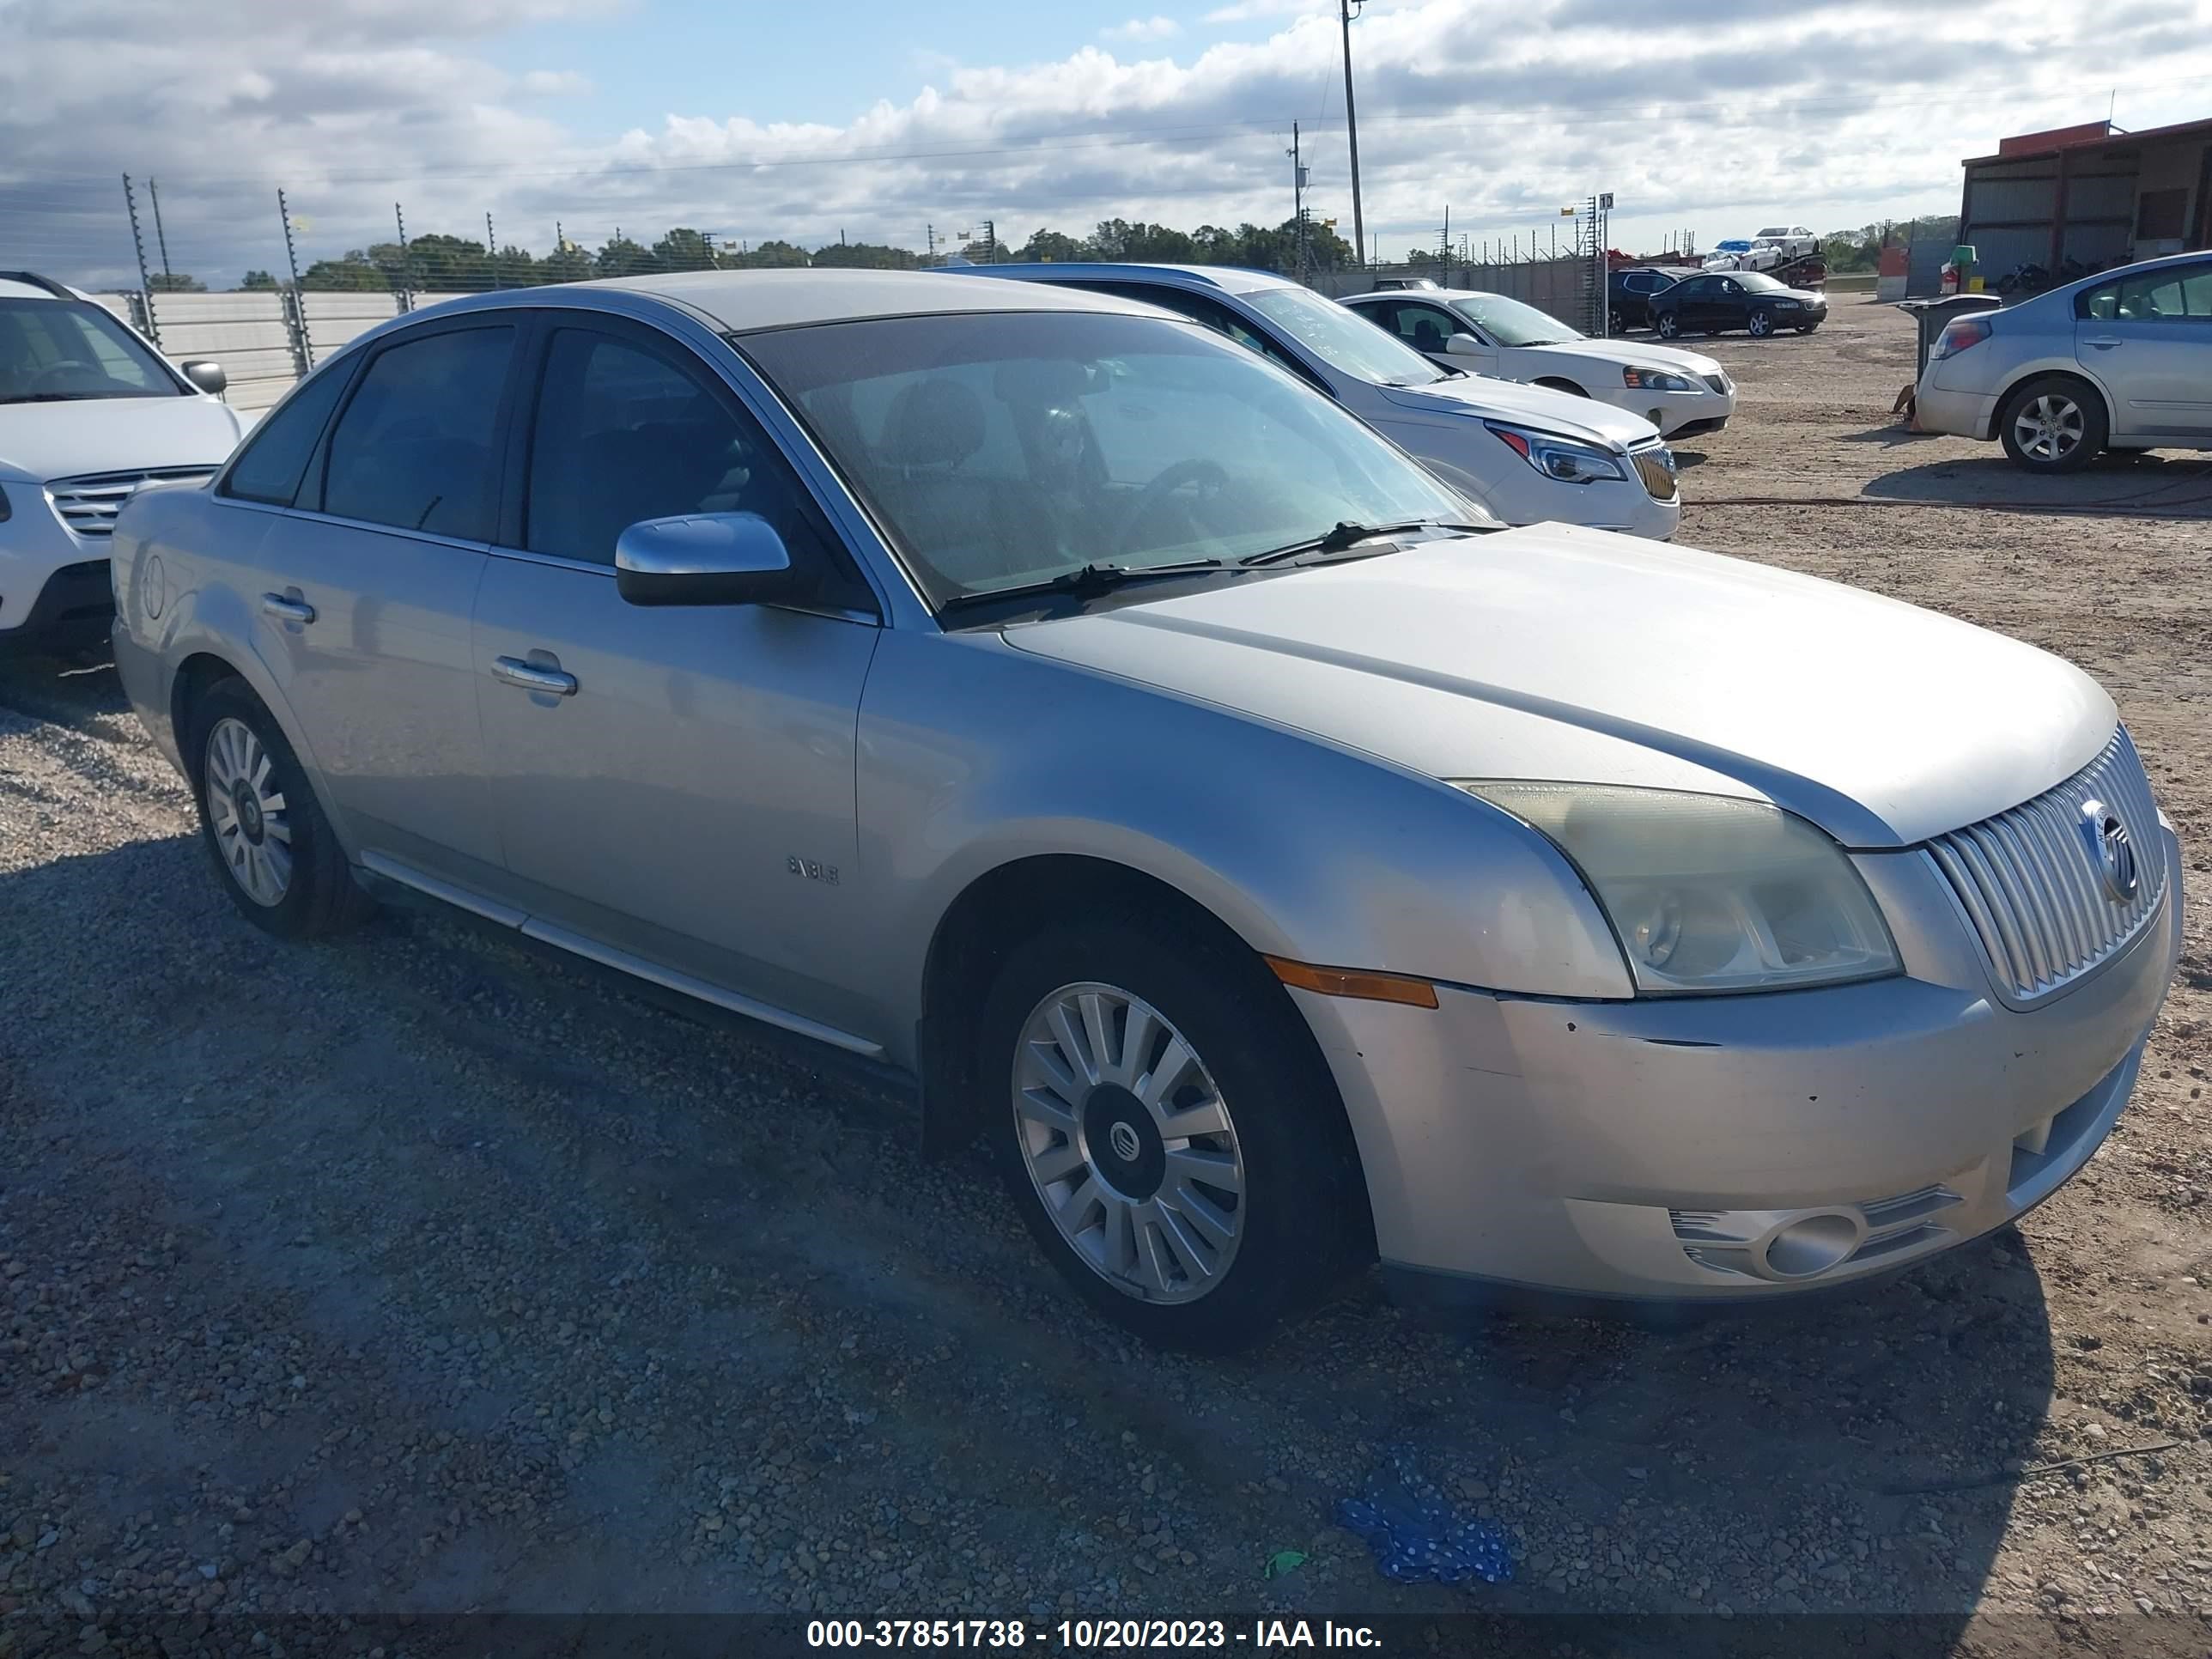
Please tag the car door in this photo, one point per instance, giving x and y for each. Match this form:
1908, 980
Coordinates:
371, 579
673, 785
1692, 301
2146, 340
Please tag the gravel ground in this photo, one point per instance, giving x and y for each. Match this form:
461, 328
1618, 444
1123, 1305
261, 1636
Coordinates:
415, 1273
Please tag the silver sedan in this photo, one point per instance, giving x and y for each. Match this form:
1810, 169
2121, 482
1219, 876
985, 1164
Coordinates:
2120, 361
1041, 699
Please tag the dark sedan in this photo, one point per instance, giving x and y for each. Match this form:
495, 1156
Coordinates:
1748, 300
1632, 288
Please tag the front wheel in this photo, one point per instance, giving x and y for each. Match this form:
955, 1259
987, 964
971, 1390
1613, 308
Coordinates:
1761, 325
1169, 1132
2053, 425
1667, 325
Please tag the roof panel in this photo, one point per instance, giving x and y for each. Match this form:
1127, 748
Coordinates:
744, 300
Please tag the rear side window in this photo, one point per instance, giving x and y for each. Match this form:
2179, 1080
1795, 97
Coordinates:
415, 447
276, 456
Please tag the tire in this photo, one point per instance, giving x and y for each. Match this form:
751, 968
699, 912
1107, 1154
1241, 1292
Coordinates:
1288, 1216
263, 828
1667, 325
1807, 328
1759, 324
2053, 424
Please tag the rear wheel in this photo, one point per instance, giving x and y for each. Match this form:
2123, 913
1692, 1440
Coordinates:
1169, 1131
281, 864
1667, 325
2053, 424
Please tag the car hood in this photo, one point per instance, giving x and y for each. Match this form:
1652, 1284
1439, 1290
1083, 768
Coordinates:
1556, 651
39, 441
1625, 353
1561, 412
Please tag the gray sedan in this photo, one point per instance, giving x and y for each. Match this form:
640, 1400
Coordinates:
1043, 699
2122, 360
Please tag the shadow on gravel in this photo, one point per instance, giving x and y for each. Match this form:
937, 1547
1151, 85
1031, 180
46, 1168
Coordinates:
575, 1279
2117, 485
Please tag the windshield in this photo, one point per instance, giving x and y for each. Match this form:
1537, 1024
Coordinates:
1759, 282
60, 351
1003, 449
1509, 323
1341, 340
1734, 246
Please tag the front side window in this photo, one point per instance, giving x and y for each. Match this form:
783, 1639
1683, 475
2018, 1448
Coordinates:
1509, 323
415, 446
1339, 339
1425, 328
625, 432
276, 457
2178, 294
62, 351
1001, 449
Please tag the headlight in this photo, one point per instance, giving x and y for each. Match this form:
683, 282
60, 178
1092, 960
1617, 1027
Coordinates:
1706, 893
1658, 380
1563, 458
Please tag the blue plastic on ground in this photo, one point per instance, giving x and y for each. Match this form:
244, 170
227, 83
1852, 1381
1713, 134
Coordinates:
1416, 1534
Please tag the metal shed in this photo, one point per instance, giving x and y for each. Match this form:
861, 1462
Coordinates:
2090, 193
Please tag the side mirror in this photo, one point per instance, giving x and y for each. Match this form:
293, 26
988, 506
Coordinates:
1464, 345
207, 377
704, 558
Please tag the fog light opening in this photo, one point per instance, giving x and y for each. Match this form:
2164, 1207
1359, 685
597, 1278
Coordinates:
1812, 1245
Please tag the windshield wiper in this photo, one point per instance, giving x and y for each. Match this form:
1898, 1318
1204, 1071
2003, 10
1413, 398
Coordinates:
1348, 537
1086, 582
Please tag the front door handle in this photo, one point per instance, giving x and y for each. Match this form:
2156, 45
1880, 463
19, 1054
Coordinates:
512, 671
2103, 342
284, 610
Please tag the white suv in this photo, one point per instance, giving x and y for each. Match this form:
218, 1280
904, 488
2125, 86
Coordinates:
89, 414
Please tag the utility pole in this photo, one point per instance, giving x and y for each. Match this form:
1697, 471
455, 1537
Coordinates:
1352, 125
491, 251
302, 347
406, 289
160, 240
145, 283
1297, 206
990, 241
930, 231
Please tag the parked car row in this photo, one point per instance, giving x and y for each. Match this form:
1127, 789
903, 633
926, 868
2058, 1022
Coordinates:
1100, 698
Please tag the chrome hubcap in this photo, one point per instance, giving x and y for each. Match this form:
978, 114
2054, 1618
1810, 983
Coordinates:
252, 828
2050, 427
1129, 1143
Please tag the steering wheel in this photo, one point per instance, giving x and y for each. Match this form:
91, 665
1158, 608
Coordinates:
64, 369
1206, 477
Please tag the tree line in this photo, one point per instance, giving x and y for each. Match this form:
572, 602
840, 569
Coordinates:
435, 262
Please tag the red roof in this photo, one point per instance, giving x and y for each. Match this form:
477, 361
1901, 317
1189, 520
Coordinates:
2050, 142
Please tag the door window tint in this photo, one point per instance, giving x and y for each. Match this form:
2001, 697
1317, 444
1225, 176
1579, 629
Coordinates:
2180, 292
1426, 329
414, 447
624, 434
276, 454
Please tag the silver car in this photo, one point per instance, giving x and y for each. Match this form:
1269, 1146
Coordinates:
1060, 706
2119, 361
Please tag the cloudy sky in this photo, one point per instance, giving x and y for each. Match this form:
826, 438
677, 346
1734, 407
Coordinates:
753, 119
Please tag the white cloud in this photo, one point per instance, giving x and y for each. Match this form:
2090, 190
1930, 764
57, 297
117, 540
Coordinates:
1246, 11
1139, 29
556, 83
1706, 114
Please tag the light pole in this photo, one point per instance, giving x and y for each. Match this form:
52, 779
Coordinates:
1344, 8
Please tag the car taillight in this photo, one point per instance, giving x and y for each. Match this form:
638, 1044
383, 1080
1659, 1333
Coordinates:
1957, 336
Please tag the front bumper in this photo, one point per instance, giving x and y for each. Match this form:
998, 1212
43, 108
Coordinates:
1661, 1150
68, 607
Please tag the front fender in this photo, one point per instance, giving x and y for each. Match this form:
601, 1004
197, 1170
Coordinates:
973, 755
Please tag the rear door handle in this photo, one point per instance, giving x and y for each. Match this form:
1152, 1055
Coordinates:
284, 610
512, 671
2103, 342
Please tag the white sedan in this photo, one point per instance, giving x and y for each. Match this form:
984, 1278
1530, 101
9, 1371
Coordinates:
1680, 392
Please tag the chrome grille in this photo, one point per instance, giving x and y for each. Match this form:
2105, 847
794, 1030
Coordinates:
1652, 466
1718, 382
2033, 882
88, 505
